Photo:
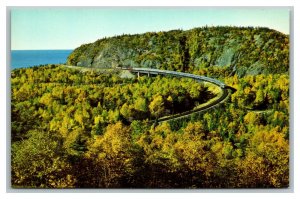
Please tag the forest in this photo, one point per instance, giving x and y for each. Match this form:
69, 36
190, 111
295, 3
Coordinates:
244, 50
73, 128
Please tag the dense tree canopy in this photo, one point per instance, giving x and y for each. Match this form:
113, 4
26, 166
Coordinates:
91, 129
96, 128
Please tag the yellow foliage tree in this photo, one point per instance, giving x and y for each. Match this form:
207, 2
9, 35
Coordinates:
156, 106
112, 151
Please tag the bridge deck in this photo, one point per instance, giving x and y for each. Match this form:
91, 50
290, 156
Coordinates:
177, 74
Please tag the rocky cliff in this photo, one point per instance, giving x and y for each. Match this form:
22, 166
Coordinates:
245, 50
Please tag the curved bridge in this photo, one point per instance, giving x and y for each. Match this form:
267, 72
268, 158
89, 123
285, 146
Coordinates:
223, 97
177, 74
226, 90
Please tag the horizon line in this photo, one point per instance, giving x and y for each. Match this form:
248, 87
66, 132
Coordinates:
44, 49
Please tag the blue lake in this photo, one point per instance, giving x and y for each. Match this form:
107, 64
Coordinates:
28, 58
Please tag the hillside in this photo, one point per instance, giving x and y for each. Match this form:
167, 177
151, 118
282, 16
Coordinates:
244, 51
89, 129
82, 127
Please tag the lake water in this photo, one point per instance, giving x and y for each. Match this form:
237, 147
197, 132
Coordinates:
28, 58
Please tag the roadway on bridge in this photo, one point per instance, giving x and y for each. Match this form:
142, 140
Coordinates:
213, 104
226, 90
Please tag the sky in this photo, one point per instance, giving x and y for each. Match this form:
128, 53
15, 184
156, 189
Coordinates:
68, 28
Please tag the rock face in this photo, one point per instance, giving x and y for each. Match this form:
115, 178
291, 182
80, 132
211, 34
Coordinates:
245, 50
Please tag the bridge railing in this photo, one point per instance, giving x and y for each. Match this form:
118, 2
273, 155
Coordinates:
179, 74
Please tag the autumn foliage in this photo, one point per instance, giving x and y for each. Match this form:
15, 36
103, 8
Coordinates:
94, 129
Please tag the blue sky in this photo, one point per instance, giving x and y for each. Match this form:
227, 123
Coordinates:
68, 28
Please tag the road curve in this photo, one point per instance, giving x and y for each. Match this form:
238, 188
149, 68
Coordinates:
225, 89
221, 99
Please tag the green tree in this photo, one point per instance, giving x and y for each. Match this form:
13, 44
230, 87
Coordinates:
40, 161
140, 104
156, 106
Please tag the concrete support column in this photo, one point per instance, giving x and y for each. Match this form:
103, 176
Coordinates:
148, 74
138, 74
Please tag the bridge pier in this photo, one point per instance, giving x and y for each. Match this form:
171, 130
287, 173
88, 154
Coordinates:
150, 71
